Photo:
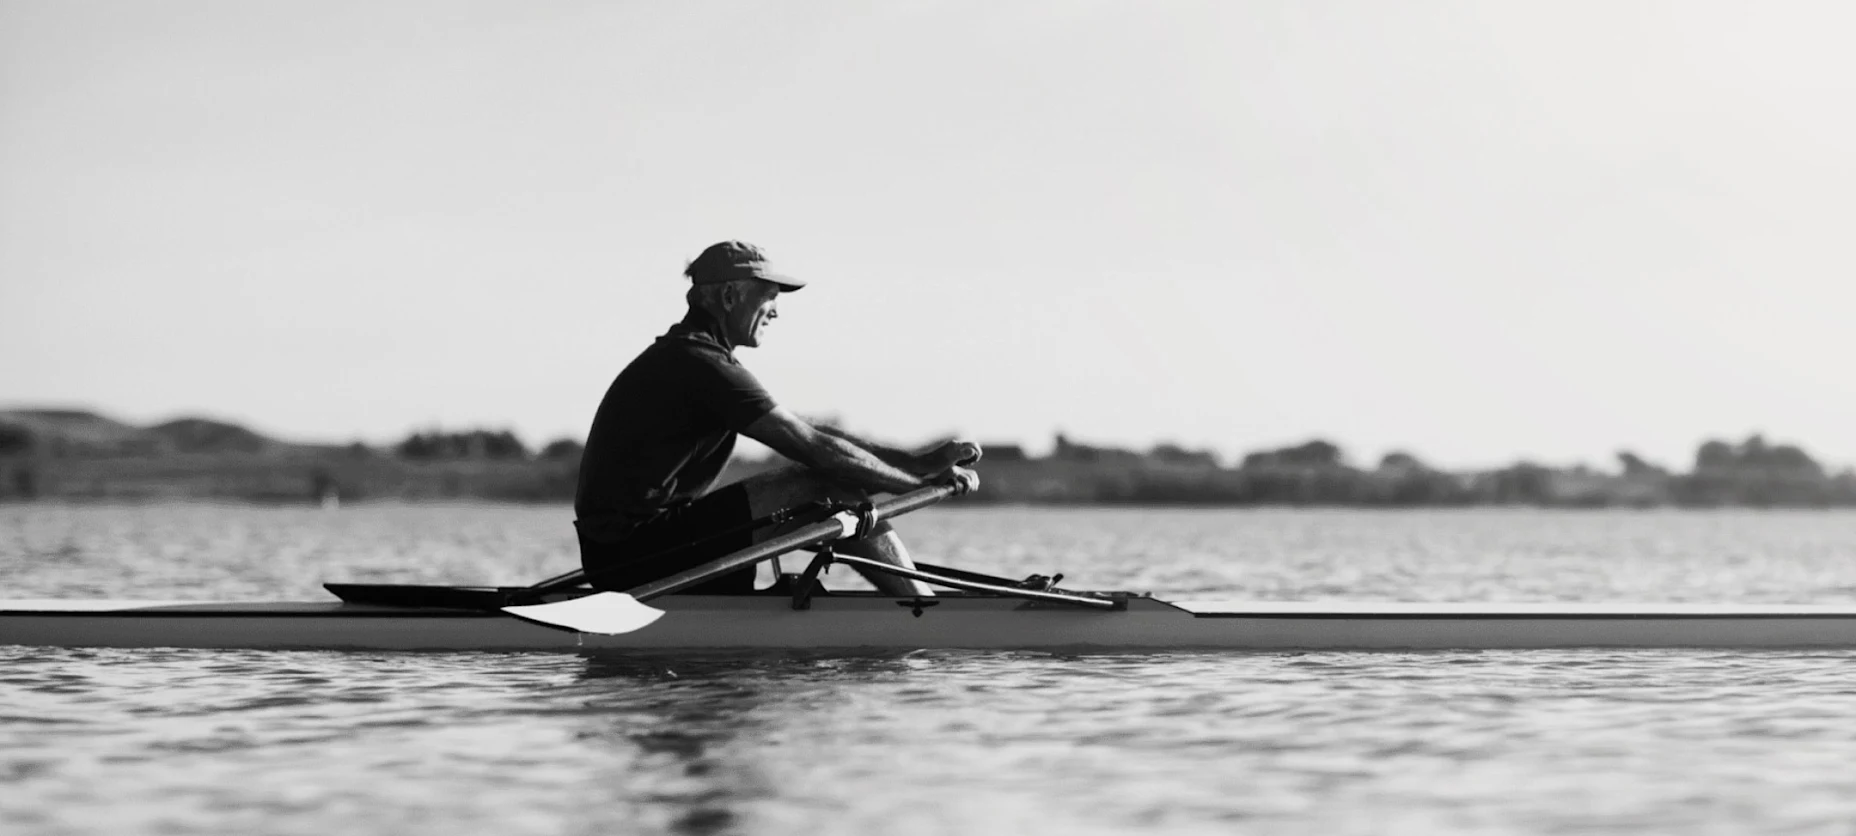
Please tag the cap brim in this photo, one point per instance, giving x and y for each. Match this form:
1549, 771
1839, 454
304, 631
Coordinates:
754, 271
786, 283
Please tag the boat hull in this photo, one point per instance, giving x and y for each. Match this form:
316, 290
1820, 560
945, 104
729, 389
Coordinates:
851, 622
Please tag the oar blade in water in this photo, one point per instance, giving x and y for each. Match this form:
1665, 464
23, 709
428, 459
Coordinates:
606, 613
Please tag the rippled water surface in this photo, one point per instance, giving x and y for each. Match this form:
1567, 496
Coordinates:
110, 741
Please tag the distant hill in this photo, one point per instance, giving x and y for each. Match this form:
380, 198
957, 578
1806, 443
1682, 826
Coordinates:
74, 454
201, 435
76, 432
72, 431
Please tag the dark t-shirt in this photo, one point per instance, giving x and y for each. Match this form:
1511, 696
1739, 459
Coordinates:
665, 429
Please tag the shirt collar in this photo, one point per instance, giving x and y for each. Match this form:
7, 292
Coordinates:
700, 326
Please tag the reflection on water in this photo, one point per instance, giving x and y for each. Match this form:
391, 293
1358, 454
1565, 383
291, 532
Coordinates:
688, 723
109, 741
697, 719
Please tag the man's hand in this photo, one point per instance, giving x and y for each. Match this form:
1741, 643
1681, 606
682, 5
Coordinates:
963, 479
955, 453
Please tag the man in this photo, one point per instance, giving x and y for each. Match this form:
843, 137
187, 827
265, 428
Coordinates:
667, 425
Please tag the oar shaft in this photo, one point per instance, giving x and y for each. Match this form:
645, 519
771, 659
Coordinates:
580, 576
811, 535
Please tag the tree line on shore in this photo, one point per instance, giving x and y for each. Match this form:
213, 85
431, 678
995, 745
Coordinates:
69, 454
1751, 472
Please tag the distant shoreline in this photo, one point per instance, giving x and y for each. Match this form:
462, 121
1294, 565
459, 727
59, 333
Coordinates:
72, 455
967, 503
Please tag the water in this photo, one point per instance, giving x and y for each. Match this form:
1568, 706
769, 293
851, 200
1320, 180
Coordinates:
105, 742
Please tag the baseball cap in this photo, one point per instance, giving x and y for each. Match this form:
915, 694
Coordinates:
732, 260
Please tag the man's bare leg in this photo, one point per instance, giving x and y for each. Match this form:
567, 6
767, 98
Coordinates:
789, 487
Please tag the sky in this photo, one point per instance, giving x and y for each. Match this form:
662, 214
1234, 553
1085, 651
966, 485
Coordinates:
1479, 232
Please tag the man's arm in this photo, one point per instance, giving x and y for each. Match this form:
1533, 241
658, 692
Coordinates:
894, 457
834, 453
925, 462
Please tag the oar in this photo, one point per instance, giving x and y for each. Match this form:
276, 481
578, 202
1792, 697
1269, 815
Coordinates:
614, 613
816, 510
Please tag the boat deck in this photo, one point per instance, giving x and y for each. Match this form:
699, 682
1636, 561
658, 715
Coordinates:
852, 621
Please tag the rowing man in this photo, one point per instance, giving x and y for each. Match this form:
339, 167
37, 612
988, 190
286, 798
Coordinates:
667, 425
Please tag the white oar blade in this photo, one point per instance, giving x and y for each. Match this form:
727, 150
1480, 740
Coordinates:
606, 613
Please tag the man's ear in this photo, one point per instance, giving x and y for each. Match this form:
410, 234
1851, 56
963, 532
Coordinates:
731, 294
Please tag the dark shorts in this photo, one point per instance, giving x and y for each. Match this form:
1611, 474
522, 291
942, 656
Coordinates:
680, 538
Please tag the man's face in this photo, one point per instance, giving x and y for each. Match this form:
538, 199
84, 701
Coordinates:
756, 306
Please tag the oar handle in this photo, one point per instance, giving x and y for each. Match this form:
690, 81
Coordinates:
837, 527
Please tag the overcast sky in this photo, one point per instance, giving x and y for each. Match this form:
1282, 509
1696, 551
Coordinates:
1479, 231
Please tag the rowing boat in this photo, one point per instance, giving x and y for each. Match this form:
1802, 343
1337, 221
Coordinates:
851, 621
978, 611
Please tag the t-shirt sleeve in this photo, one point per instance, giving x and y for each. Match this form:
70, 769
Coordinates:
730, 391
